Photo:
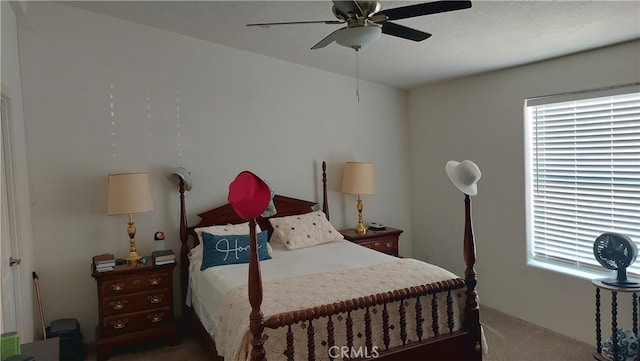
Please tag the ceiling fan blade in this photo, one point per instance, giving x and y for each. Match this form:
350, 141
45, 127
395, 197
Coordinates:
299, 22
435, 7
348, 7
404, 32
326, 41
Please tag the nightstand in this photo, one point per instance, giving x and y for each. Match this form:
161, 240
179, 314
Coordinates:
135, 303
384, 241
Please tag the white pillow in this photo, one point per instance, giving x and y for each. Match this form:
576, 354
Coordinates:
226, 229
304, 230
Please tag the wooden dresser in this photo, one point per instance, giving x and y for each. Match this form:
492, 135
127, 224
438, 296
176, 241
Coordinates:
135, 303
385, 241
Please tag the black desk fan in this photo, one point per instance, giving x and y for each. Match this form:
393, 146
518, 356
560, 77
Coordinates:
616, 252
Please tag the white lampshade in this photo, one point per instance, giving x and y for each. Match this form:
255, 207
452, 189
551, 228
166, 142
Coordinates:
358, 178
129, 193
358, 37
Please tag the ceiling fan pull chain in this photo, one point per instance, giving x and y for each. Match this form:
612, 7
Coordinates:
357, 77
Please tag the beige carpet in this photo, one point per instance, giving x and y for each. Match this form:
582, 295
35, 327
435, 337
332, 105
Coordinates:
509, 339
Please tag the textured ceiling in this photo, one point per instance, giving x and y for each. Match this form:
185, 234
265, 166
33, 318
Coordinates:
488, 36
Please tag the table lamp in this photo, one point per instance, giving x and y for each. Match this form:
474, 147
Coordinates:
129, 193
359, 179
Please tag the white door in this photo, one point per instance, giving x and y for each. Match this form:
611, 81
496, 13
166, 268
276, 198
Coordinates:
8, 252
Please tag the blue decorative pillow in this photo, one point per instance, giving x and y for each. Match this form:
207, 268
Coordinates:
230, 249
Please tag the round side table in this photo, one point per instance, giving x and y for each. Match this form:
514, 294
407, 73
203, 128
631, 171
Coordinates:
614, 290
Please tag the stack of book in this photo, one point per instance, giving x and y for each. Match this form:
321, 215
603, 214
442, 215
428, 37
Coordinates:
164, 256
104, 262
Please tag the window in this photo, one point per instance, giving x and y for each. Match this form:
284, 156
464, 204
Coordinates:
583, 175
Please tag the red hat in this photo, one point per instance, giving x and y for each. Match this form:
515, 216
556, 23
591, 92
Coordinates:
249, 195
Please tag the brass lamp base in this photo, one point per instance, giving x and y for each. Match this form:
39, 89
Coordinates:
132, 258
360, 228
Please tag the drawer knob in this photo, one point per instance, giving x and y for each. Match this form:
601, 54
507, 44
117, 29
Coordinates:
117, 286
377, 244
156, 317
155, 281
389, 245
155, 298
118, 305
119, 323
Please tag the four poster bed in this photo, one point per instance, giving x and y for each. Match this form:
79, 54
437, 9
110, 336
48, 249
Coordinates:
329, 301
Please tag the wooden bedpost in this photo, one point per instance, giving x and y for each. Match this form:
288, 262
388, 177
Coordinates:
256, 320
472, 311
184, 248
325, 204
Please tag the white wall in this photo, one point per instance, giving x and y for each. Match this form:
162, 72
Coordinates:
481, 118
237, 111
244, 111
12, 88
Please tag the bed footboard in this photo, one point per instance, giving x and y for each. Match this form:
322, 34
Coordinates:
421, 313
467, 345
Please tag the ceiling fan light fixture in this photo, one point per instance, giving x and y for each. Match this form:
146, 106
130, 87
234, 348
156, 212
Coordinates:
358, 37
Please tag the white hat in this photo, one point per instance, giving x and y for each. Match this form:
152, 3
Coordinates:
464, 175
176, 175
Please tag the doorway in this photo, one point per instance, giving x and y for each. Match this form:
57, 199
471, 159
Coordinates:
10, 251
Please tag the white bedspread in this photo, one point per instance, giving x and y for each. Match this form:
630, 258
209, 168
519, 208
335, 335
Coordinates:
314, 290
215, 282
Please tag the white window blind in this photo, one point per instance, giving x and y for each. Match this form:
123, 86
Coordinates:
584, 170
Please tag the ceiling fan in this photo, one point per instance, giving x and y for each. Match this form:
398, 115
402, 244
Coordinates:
366, 21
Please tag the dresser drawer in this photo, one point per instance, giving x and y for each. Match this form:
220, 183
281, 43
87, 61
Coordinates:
142, 282
137, 321
384, 240
389, 245
118, 305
